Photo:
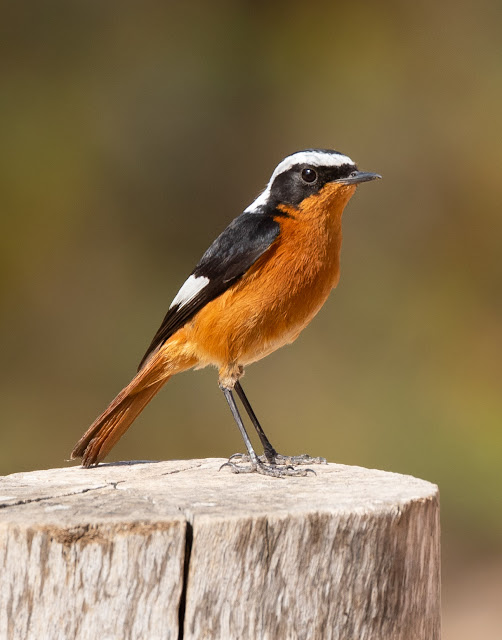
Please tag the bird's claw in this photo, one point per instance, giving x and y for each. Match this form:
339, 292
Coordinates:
261, 467
280, 460
304, 458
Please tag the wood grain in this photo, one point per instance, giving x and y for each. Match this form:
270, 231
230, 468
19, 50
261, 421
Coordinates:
128, 550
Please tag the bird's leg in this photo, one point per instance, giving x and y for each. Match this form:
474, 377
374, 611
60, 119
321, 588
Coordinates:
271, 455
255, 464
269, 451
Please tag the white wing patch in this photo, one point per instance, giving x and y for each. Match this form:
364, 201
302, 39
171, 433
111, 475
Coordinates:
189, 290
313, 158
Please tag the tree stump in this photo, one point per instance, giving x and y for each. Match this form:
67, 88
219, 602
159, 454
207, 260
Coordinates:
156, 550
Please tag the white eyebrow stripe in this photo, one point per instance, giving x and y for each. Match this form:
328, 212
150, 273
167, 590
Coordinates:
314, 158
189, 290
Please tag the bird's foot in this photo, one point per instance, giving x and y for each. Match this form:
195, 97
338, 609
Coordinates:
260, 466
303, 458
279, 460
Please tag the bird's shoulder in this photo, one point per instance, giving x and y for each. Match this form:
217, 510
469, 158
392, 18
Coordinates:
228, 258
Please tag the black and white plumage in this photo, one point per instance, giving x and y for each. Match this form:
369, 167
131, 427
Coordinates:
249, 235
234, 251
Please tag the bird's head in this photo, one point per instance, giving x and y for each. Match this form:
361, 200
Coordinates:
319, 177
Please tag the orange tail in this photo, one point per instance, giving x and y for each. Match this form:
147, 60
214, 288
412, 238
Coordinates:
111, 425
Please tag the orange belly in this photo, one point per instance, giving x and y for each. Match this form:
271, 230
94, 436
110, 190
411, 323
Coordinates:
277, 297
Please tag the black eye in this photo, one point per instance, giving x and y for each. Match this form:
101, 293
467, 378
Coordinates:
309, 175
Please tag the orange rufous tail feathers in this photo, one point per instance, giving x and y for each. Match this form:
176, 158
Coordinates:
111, 425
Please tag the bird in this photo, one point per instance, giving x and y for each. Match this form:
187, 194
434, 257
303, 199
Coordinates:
254, 290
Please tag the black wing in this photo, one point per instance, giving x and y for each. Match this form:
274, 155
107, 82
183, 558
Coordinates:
229, 257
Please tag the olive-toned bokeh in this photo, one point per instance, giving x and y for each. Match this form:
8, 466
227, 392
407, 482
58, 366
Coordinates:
133, 132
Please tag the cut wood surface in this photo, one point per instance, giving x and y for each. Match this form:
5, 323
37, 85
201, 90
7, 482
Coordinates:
178, 549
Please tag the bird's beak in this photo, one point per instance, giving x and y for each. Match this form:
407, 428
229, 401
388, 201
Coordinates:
359, 176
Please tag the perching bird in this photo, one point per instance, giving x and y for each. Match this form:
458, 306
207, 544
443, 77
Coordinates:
257, 286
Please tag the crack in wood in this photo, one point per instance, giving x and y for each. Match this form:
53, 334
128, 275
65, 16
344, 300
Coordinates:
170, 473
18, 503
186, 567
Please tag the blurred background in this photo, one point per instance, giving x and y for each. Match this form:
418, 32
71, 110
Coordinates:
132, 133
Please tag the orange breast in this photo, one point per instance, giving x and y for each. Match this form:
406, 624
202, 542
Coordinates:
282, 291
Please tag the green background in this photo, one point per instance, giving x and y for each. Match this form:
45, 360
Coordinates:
133, 132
